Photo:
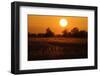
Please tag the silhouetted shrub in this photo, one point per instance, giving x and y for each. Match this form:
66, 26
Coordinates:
41, 35
32, 35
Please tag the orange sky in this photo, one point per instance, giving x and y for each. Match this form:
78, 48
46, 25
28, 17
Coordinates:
39, 23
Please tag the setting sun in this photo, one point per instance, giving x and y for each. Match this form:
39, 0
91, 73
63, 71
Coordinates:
56, 23
63, 22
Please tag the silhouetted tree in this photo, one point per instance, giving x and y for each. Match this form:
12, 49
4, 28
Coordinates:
49, 33
75, 32
82, 33
65, 33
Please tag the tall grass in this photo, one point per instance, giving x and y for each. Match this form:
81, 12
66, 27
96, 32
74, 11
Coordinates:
57, 48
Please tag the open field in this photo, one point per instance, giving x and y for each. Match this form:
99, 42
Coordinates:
57, 48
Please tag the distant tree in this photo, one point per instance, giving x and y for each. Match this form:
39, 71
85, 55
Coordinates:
41, 35
49, 33
65, 33
82, 33
75, 32
32, 35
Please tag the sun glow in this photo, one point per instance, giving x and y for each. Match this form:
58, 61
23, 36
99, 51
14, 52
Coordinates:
63, 22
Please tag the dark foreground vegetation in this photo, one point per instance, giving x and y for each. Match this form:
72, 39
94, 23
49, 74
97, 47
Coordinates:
48, 46
52, 48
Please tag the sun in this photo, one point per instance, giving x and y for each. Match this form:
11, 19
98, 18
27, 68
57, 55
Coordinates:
63, 22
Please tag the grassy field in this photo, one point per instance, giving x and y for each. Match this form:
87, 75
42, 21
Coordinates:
57, 48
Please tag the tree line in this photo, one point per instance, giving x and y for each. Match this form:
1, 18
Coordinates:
49, 33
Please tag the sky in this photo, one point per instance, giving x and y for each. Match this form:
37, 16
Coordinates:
39, 23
